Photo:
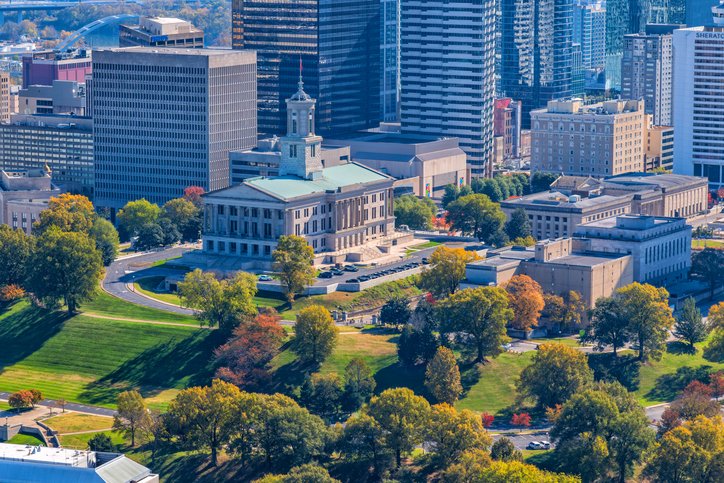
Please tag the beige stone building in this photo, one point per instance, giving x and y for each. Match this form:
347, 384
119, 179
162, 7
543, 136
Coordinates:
659, 145
597, 140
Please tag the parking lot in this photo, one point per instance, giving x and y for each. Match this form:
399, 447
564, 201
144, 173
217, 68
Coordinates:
521, 441
352, 274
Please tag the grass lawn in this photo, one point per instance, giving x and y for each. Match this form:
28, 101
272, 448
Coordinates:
560, 340
4, 406
80, 441
90, 361
148, 285
109, 306
706, 244
74, 422
161, 262
26, 439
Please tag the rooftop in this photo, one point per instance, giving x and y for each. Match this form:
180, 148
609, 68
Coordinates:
171, 51
584, 260
662, 180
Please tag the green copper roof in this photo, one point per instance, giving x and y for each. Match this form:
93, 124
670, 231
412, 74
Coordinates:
332, 178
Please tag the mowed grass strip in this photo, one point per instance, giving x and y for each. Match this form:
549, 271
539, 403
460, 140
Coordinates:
80, 441
74, 422
109, 306
89, 360
26, 439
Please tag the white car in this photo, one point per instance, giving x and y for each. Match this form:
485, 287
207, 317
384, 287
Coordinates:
533, 445
265, 278
544, 444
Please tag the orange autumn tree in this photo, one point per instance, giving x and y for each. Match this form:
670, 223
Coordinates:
525, 297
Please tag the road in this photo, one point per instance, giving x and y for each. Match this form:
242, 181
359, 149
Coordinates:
81, 408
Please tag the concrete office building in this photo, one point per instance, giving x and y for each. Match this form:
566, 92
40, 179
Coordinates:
23, 195
161, 32
41, 68
699, 100
507, 118
646, 70
448, 74
5, 107
63, 97
573, 200
339, 45
24, 463
659, 145
596, 140
536, 64
389, 59
589, 30
62, 142
166, 119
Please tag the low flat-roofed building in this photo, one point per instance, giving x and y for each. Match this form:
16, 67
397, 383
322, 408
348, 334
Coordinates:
23, 195
21, 463
63, 97
161, 32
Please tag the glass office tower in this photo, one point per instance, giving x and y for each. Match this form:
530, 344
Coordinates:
536, 49
338, 42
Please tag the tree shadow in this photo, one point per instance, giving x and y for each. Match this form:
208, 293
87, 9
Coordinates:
26, 331
287, 378
469, 377
668, 386
678, 348
624, 369
397, 375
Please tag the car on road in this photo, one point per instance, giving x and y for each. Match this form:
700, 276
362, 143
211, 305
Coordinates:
534, 445
351, 268
325, 275
265, 278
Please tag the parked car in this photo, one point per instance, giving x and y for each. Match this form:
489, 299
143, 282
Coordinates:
326, 275
545, 444
352, 280
265, 278
351, 268
534, 445
336, 272
363, 278
425, 261
506, 347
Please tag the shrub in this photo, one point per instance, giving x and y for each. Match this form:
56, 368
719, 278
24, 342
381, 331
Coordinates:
8, 293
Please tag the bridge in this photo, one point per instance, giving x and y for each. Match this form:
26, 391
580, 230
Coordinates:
92, 27
48, 5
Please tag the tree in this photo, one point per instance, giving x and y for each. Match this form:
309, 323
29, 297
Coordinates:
476, 215
67, 212
565, 311
446, 270
137, 214
669, 420
521, 419
245, 420
322, 394
542, 181
689, 324
716, 316
363, 438
442, 377
649, 316
171, 234
218, 303
179, 211
416, 345
414, 212
359, 383
153, 433
101, 442
695, 400
492, 189
316, 335
37, 396
478, 318
16, 251
106, 237
131, 415
396, 311
522, 242
309, 473
402, 416
504, 450
454, 432
61, 402
193, 195
525, 298
608, 325
717, 384
245, 356
506, 472
708, 265
20, 399
65, 266
518, 226
487, 419
452, 193
293, 262
208, 415
149, 236
554, 375
10, 293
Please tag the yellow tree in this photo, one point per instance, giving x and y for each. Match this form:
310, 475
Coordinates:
70, 213
293, 262
442, 377
455, 432
565, 311
132, 414
446, 270
649, 316
525, 297
715, 320
316, 334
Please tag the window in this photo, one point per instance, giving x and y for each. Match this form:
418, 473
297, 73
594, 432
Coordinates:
374, 213
209, 245
267, 250
314, 150
232, 247
306, 212
297, 229
314, 226
255, 212
296, 215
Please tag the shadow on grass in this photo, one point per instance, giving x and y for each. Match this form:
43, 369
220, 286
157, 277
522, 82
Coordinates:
186, 362
26, 331
624, 369
288, 377
547, 460
668, 386
469, 377
397, 375
678, 348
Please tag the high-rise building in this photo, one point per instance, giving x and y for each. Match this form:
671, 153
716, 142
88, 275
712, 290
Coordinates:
589, 30
41, 68
448, 74
166, 119
337, 42
161, 32
646, 70
5, 108
389, 59
536, 64
699, 100
578, 84
506, 124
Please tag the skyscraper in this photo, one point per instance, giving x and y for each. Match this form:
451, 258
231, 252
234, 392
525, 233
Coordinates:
389, 58
447, 74
337, 42
536, 63
589, 30
166, 119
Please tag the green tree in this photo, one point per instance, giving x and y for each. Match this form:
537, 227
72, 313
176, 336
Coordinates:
476, 215
246, 411
518, 226
132, 414
309, 473
649, 317
179, 211
451, 194
492, 190
171, 234
503, 449
415, 345
608, 325
149, 236
65, 266
293, 262
708, 266
542, 181
454, 432
446, 270
442, 377
689, 325
414, 212
364, 439
106, 237
16, 252
316, 335
402, 417
475, 469
554, 375
137, 214
322, 394
218, 303
396, 311
478, 316
565, 311
101, 442
359, 383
